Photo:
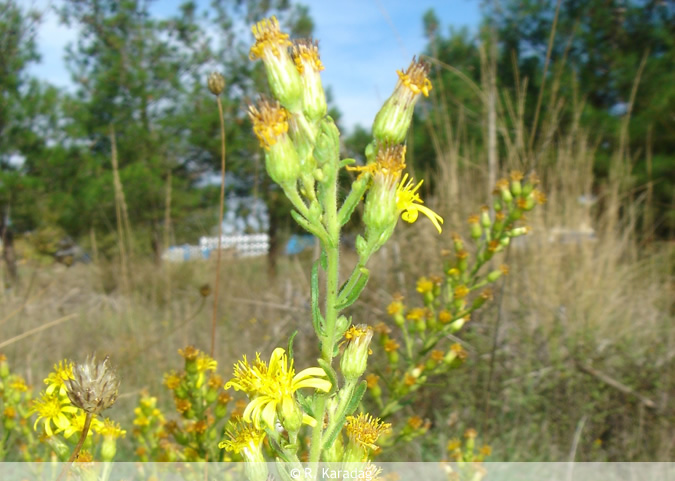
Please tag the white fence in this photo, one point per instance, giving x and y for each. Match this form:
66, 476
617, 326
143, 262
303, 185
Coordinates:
244, 245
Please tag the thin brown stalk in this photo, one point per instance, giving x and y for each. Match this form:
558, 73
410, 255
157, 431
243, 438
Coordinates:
543, 78
119, 203
36, 330
80, 443
220, 225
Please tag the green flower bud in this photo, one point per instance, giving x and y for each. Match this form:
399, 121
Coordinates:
393, 120
4, 367
270, 124
516, 187
108, 448
485, 217
306, 57
494, 275
271, 45
474, 223
381, 211
355, 357
327, 148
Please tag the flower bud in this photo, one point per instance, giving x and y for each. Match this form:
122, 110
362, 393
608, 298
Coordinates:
516, 187
392, 121
355, 356
271, 45
485, 217
305, 54
327, 148
216, 83
270, 124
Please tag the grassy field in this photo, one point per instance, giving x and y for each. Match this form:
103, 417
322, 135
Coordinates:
573, 360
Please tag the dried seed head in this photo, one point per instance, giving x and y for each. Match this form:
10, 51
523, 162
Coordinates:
95, 386
216, 83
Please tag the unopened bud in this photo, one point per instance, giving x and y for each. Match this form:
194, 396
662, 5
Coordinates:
216, 83
355, 357
392, 121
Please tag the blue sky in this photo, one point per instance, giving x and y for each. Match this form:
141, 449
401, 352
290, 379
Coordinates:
362, 44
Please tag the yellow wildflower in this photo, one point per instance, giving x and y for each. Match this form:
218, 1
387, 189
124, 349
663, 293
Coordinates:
55, 381
424, 285
171, 380
76, 425
111, 429
364, 429
409, 203
52, 410
271, 388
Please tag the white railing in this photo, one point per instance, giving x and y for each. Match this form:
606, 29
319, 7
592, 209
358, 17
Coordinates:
244, 245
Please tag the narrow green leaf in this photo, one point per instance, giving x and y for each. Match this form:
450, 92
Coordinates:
346, 299
356, 398
359, 188
290, 344
330, 373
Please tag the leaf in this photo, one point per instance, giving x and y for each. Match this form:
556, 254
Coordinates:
331, 374
290, 344
356, 398
346, 299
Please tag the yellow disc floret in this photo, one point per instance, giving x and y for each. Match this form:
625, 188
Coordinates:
270, 122
364, 430
269, 39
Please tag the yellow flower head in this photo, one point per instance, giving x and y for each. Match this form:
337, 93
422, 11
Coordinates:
461, 291
395, 307
242, 436
271, 46
391, 345
389, 163
415, 78
364, 429
269, 39
76, 425
355, 356
172, 380
409, 203
17, 383
206, 363
111, 429
52, 410
372, 379
270, 122
418, 314
271, 388
424, 285
305, 54
392, 121
56, 380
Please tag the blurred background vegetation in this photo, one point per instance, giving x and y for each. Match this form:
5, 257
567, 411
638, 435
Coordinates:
575, 358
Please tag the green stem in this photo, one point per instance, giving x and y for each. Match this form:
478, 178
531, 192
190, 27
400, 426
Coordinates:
332, 250
336, 423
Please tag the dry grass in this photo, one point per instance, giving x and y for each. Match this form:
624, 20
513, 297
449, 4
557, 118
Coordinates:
603, 301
